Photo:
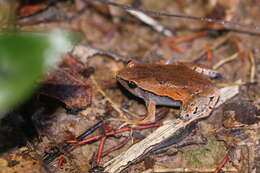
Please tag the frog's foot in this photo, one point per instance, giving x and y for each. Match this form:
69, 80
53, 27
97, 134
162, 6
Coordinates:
150, 115
199, 106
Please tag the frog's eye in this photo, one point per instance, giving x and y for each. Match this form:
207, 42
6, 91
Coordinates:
132, 84
131, 64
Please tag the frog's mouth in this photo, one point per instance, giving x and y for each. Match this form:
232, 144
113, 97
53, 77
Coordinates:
131, 86
145, 95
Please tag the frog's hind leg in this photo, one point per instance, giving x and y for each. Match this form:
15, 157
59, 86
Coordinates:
150, 115
213, 74
200, 105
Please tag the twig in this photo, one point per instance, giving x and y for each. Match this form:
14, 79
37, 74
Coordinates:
222, 163
218, 43
75, 143
114, 105
60, 162
117, 147
228, 92
51, 156
108, 99
151, 22
139, 150
111, 133
225, 160
85, 51
209, 52
100, 150
252, 69
156, 13
224, 61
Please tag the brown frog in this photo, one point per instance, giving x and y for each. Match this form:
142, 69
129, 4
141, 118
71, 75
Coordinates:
181, 84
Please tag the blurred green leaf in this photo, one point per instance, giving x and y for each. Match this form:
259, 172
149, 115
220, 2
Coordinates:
24, 56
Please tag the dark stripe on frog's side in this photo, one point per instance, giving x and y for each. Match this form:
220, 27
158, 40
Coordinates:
146, 95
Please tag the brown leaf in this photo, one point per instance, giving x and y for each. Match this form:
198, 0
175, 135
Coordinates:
69, 84
244, 113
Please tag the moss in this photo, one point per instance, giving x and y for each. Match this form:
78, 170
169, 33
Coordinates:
207, 156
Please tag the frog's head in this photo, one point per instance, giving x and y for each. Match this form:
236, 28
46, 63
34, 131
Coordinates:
129, 78
130, 72
131, 87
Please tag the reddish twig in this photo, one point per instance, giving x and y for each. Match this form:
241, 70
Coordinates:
51, 156
177, 48
76, 143
236, 43
91, 139
209, 52
184, 38
205, 19
100, 149
174, 41
60, 162
191, 37
222, 163
117, 147
111, 133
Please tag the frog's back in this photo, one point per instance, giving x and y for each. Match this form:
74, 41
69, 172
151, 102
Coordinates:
175, 81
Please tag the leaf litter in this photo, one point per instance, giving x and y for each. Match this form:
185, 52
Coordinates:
59, 115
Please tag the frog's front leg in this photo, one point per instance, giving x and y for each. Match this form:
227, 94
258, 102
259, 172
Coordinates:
150, 115
200, 105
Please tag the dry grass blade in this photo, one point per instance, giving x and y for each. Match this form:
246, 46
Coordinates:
156, 13
151, 22
218, 43
252, 69
108, 99
224, 61
84, 52
99, 89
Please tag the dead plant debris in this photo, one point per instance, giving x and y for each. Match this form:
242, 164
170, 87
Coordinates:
75, 121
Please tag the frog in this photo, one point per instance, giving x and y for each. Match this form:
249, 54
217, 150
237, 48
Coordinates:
184, 85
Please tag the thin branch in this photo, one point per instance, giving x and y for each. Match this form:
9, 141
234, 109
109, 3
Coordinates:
216, 45
204, 19
224, 61
85, 51
151, 22
252, 69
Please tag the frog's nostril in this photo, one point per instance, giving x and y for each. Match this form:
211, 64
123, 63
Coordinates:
132, 85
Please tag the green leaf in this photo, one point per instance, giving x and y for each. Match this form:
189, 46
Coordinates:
24, 56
